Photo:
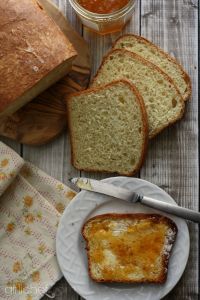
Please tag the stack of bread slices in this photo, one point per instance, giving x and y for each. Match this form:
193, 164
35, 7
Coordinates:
138, 91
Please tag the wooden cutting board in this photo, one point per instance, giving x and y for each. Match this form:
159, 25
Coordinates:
44, 118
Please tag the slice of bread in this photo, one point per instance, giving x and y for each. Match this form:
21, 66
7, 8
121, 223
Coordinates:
157, 56
108, 129
164, 103
132, 248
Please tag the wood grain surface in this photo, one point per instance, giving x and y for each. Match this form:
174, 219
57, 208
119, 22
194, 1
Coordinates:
172, 160
44, 118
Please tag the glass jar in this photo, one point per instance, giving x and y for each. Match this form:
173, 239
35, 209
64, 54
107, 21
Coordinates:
104, 23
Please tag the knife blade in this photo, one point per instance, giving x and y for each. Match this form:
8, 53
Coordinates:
97, 186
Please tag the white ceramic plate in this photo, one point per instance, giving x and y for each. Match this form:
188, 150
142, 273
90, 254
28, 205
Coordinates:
71, 252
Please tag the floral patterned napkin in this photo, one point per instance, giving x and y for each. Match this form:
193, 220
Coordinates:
31, 203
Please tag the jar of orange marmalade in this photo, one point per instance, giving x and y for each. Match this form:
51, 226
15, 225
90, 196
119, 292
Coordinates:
104, 16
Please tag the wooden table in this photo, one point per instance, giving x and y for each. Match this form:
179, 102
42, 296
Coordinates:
172, 160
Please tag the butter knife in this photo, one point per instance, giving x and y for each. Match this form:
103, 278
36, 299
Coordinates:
132, 197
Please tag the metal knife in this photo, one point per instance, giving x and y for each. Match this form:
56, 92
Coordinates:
132, 197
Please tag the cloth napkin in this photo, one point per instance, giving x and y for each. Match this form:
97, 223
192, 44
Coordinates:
31, 204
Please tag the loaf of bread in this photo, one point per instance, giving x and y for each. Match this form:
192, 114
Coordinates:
164, 103
132, 248
34, 53
108, 129
157, 56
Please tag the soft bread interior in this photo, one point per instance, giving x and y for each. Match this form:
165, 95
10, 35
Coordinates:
158, 57
108, 129
163, 102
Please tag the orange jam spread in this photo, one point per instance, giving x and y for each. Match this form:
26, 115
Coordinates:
103, 6
136, 248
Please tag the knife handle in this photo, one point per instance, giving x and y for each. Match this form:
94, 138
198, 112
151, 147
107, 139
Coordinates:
182, 212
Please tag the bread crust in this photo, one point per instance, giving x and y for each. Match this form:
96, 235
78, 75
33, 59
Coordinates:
185, 76
139, 216
140, 101
27, 53
152, 66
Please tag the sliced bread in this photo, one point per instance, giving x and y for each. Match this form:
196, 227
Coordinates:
108, 128
157, 56
164, 103
129, 247
160, 58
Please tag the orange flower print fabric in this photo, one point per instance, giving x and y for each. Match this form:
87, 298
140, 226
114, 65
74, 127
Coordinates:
10, 166
17, 266
31, 203
10, 227
28, 201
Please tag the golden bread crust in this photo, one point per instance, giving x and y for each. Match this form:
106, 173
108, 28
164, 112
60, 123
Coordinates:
32, 45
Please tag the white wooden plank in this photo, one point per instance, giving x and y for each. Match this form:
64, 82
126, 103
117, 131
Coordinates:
134, 25
68, 11
172, 160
